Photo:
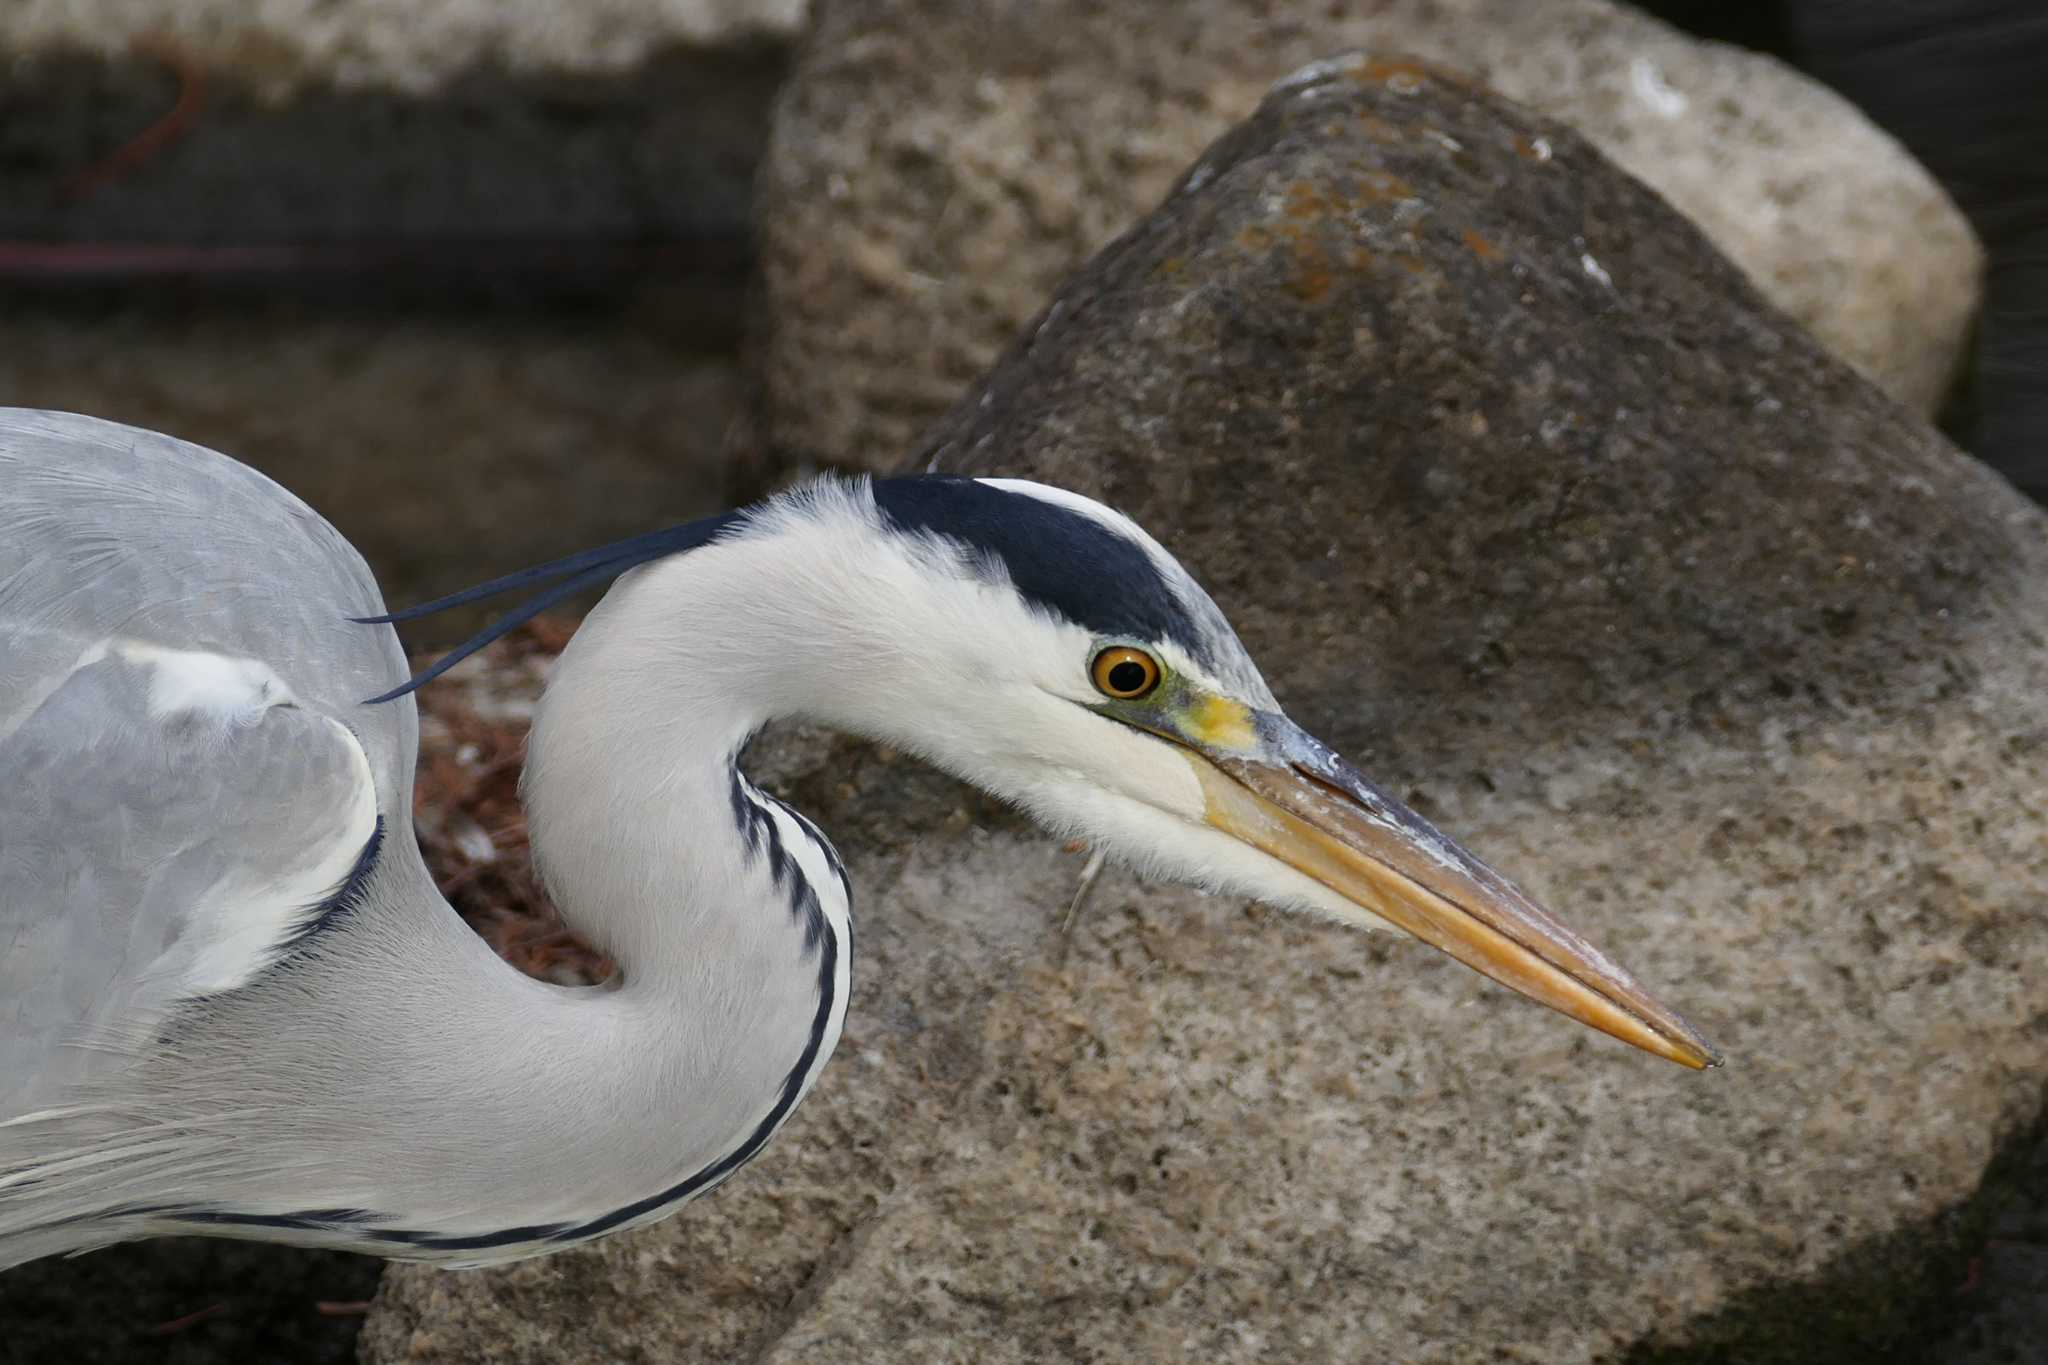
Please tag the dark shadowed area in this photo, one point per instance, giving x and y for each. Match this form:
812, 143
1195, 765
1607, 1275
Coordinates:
186, 1301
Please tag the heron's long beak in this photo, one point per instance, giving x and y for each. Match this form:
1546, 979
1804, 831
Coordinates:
1294, 798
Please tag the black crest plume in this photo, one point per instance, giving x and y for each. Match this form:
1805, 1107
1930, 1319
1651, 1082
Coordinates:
567, 576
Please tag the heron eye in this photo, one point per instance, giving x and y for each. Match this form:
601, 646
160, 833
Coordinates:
1125, 673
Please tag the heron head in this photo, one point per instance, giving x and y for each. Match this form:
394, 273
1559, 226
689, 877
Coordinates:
1054, 653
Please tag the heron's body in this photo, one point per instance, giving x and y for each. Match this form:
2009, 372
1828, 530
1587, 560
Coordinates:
231, 999
370, 1076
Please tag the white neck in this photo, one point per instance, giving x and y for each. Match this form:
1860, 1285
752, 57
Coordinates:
725, 911
596, 1106
629, 779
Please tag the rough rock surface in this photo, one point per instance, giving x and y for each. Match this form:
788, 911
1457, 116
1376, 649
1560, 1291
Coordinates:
938, 169
398, 44
1526, 498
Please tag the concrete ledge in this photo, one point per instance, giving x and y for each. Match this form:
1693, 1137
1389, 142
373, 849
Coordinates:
279, 46
664, 148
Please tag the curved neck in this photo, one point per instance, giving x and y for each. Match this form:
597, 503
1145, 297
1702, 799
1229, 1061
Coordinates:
649, 839
724, 910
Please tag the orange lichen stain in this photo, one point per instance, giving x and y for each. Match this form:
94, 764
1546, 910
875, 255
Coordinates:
1377, 187
1412, 263
1377, 128
1311, 284
1314, 220
1310, 275
1306, 200
1480, 247
1172, 265
1406, 76
1380, 69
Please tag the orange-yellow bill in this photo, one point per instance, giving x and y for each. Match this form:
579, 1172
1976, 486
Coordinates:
1313, 811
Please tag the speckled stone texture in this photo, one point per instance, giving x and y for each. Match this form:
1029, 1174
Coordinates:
938, 168
1522, 495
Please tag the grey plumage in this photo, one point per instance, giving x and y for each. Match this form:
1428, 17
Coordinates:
380, 1084
115, 820
123, 817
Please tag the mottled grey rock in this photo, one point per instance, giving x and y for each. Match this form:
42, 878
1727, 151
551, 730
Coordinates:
937, 169
1523, 494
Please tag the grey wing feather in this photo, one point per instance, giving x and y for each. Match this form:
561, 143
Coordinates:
185, 768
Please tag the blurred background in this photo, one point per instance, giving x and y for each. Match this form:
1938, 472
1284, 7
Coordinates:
420, 288
473, 279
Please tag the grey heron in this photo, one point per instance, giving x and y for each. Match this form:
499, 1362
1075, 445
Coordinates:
233, 1002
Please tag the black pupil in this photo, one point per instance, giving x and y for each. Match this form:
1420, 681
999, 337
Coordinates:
1127, 676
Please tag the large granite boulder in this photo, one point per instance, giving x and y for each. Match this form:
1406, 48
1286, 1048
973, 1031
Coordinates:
937, 169
1524, 495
